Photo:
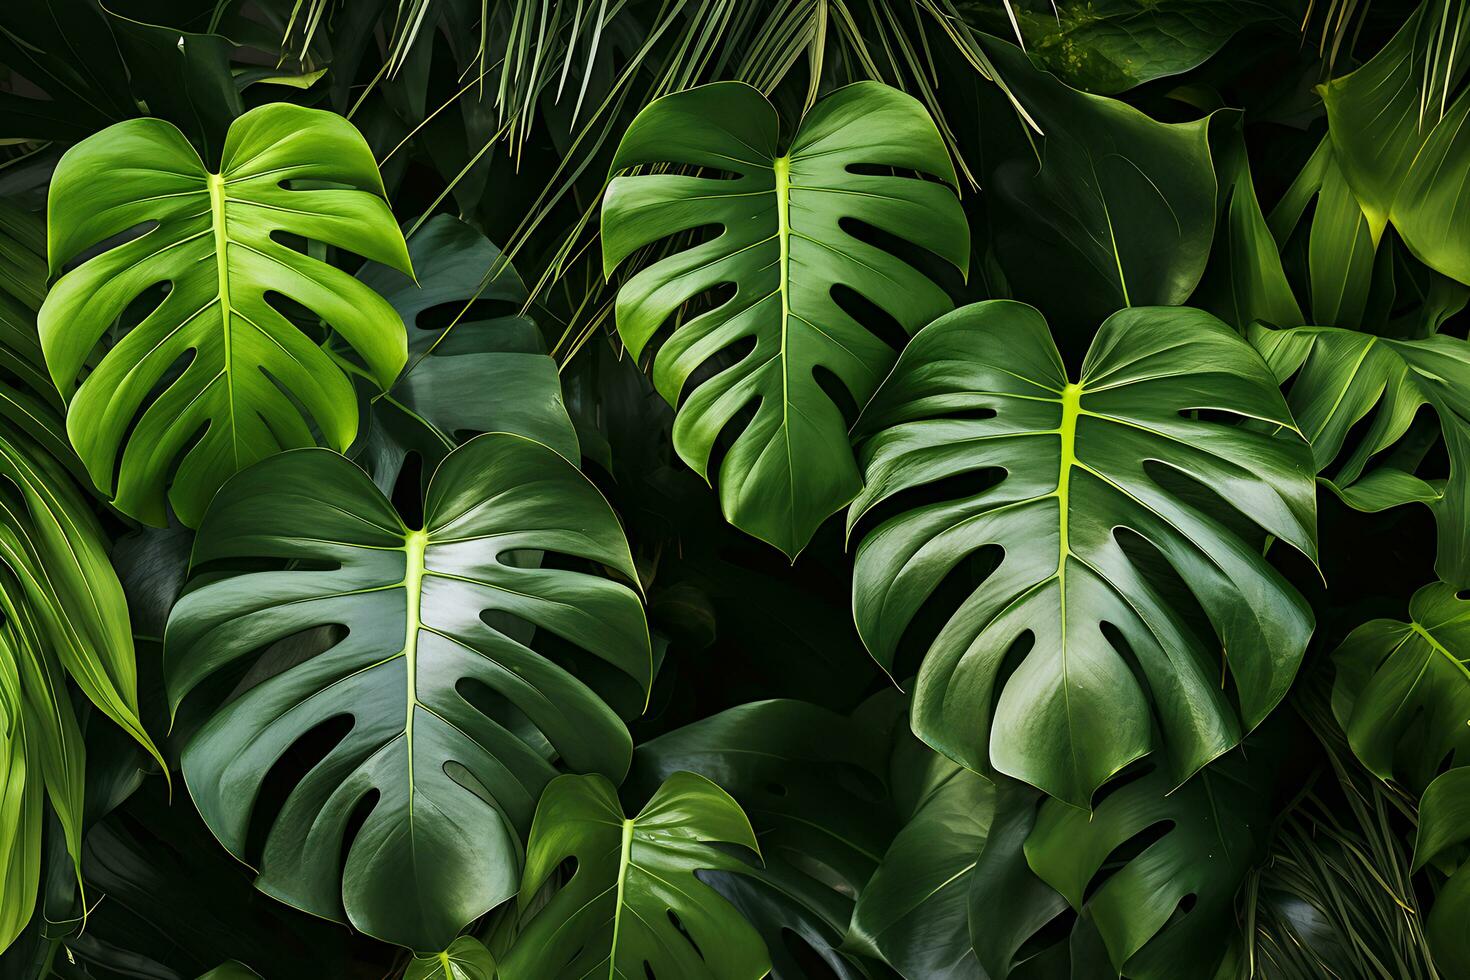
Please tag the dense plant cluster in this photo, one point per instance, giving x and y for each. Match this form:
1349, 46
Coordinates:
716, 489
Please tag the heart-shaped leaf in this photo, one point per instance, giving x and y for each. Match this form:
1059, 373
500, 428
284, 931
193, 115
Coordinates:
634, 907
1341, 377
456, 723
786, 243
1120, 519
214, 376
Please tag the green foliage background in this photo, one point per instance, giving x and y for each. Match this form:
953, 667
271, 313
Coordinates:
716, 489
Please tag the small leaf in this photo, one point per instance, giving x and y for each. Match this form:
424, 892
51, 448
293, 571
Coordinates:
634, 897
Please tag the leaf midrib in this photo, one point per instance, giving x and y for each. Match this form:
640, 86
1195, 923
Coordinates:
216, 184
781, 170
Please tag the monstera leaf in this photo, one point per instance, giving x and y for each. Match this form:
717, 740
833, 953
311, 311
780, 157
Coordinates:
914, 912
812, 782
1154, 870
1444, 830
1402, 692
214, 376
482, 374
456, 724
1402, 695
1341, 377
1124, 509
634, 908
787, 242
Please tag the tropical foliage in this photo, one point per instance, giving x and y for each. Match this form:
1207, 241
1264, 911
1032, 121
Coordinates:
725, 489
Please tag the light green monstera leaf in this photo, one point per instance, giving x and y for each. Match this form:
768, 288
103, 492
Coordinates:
778, 344
634, 906
457, 724
1121, 518
214, 376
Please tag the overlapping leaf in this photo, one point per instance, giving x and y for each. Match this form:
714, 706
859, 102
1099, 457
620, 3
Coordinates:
1342, 377
214, 376
1402, 695
1118, 206
456, 722
467, 373
811, 782
1398, 127
1124, 511
786, 241
62, 610
1402, 692
634, 907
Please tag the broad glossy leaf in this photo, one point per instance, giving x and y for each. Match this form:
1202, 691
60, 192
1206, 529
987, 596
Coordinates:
812, 782
914, 913
1125, 498
1244, 281
1398, 127
1402, 690
252, 382
786, 242
1444, 829
634, 907
465, 959
1111, 46
456, 724
1342, 377
1118, 206
478, 375
1167, 910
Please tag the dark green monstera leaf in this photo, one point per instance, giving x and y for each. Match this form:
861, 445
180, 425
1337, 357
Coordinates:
1342, 377
456, 724
1402, 691
914, 912
786, 243
214, 376
468, 371
1165, 910
812, 782
634, 907
1402, 695
1122, 517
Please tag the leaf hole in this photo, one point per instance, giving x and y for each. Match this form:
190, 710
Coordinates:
304, 755
878, 321
1125, 852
